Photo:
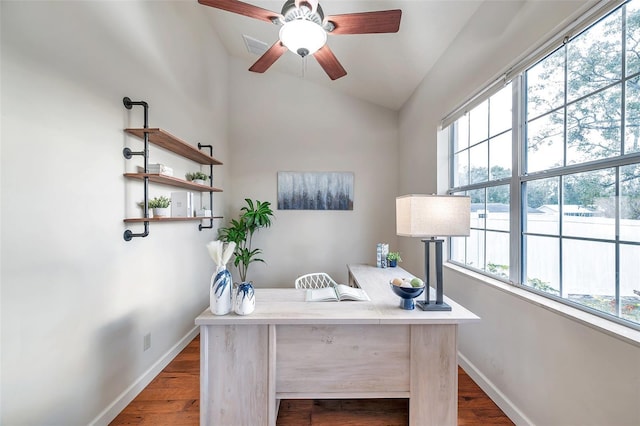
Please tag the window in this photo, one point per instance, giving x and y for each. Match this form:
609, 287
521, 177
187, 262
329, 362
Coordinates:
561, 217
481, 153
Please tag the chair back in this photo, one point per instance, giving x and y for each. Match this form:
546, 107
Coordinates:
314, 280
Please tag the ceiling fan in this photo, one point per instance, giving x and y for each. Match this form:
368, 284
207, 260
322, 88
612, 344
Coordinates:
305, 28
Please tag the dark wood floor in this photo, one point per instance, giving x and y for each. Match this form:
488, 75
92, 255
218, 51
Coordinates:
172, 398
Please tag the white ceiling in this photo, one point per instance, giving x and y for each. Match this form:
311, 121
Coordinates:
382, 68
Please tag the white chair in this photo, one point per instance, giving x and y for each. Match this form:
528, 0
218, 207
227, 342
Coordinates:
314, 280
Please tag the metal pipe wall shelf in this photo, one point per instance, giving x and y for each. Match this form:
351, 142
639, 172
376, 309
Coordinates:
166, 140
173, 144
172, 181
168, 219
210, 147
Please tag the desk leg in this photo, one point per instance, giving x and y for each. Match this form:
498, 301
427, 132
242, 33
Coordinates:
273, 404
234, 382
434, 375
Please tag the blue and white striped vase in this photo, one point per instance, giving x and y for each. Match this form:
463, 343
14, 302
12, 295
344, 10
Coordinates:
220, 301
245, 299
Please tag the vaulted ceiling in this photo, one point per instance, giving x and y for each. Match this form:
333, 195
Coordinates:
382, 68
385, 69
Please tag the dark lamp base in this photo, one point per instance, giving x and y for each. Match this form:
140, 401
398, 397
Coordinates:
433, 306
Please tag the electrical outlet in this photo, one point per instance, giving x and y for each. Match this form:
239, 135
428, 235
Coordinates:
146, 344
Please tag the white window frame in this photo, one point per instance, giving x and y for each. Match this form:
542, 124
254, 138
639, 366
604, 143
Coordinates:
516, 76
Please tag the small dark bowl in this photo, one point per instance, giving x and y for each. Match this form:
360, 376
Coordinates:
407, 294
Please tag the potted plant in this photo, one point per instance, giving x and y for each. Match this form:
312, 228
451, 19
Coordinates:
160, 206
197, 177
394, 257
253, 216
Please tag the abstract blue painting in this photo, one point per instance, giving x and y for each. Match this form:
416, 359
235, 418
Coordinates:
315, 190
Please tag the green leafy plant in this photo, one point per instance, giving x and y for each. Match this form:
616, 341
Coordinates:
538, 284
394, 255
159, 202
196, 175
499, 270
252, 217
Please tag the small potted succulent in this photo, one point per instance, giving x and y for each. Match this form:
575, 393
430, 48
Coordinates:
197, 177
160, 206
393, 258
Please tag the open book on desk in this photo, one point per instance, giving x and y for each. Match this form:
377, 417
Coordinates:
336, 293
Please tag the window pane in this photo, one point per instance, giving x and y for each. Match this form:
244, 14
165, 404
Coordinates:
593, 127
458, 249
475, 249
594, 58
545, 142
478, 208
479, 160
587, 208
497, 217
479, 123
629, 273
633, 37
461, 133
498, 253
630, 203
461, 168
458, 244
500, 111
632, 117
500, 156
543, 264
475, 242
545, 85
543, 211
589, 274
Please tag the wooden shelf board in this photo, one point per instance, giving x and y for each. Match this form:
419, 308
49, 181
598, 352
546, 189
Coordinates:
172, 143
172, 181
169, 219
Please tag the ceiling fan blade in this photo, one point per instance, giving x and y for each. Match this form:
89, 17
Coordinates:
269, 57
383, 21
329, 63
241, 8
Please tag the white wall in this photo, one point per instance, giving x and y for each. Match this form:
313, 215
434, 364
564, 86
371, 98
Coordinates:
76, 298
543, 368
282, 123
550, 369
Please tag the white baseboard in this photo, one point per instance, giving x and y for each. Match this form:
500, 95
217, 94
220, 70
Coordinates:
494, 393
125, 398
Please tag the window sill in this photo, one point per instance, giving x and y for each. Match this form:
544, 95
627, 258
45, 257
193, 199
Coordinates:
613, 329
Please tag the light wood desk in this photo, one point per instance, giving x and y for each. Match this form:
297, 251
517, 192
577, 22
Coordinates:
288, 348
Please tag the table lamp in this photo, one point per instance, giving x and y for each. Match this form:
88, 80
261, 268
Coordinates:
433, 216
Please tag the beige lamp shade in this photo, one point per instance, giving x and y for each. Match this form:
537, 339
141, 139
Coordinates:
433, 215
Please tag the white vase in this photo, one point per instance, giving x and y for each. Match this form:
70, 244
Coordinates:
199, 181
245, 299
161, 212
220, 291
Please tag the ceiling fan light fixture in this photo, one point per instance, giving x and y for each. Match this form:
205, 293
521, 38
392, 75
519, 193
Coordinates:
303, 37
